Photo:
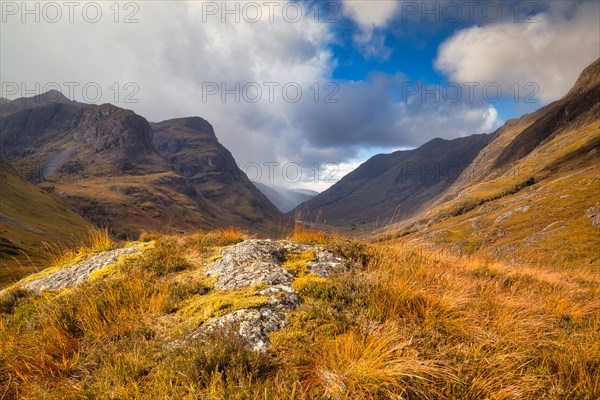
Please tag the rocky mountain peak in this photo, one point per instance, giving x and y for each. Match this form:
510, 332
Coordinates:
588, 78
107, 127
191, 125
52, 96
199, 124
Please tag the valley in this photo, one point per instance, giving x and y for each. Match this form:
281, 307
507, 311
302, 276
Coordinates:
457, 258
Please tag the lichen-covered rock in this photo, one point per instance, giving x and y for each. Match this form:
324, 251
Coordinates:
249, 263
255, 262
260, 261
508, 214
80, 272
254, 325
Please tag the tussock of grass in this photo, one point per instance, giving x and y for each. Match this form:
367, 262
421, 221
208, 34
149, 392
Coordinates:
165, 257
367, 365
52, 345
307, 235
78, 248
219, 237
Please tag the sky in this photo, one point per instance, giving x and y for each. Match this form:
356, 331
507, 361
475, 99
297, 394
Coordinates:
302, 92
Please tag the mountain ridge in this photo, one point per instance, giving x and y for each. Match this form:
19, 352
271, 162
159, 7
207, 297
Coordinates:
374, 191
102, 162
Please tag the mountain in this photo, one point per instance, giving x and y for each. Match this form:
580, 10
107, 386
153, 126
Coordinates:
534, 191
28, 217
395, 186
285, 199
101, 161
190, 145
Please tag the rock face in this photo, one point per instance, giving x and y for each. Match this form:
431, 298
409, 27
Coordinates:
594, 214
191, 147
107, 127
78, 273
255, 262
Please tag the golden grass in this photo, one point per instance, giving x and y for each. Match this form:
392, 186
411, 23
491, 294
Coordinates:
96, 240
366, 365
51, 348
409, 321
306, 235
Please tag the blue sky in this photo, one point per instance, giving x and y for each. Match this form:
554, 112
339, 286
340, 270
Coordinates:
412, 38
373, 58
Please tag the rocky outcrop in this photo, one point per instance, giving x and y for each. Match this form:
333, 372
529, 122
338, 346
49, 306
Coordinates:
80, 272
262, 262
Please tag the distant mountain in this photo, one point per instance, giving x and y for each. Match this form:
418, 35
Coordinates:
28, 217
101, 161
285, 199
390, 187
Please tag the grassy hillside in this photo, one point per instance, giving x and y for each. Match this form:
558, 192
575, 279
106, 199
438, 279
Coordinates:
403, 322
29, 217
542, 208
532, 194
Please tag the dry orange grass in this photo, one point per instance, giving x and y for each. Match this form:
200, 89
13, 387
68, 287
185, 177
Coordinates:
508, 332
413, 322
367, 365
95, 241
50, 347
308, 235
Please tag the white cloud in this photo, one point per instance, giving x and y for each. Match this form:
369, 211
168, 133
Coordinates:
371, 14
551, 52
175, 48
371, 17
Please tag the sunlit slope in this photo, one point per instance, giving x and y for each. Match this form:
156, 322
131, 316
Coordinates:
534, 192
28, 217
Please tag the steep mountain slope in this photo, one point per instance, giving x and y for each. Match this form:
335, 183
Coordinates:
285, 199
536, 193
395, 186
28, 217
190, 145
100, 160
519, 137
